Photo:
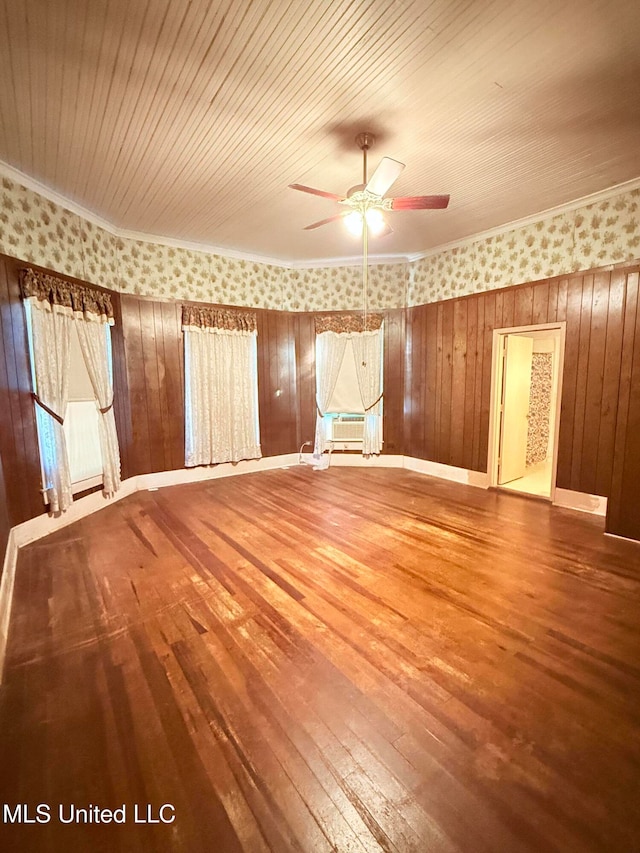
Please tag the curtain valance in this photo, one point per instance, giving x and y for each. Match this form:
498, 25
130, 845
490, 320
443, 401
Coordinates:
345, 323
228, 319
52, 290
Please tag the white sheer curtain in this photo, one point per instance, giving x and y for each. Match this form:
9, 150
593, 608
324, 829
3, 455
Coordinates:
330, 347
50, 338
221, 396
367, 351
92, 334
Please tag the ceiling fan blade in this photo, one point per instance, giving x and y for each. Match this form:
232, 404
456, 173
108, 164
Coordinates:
420, 202
313, 191
387, 172
325, 221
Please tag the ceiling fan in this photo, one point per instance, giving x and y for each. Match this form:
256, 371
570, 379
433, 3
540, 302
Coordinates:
365, 202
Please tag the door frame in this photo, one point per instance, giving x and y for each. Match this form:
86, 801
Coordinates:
497, 365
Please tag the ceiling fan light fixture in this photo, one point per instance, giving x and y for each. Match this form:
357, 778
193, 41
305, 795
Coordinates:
353, 221
375, 220
373, 217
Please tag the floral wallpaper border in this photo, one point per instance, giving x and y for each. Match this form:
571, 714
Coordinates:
35, 229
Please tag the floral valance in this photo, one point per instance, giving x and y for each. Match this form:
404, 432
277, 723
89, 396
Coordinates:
341, 323
218, 318
57, 291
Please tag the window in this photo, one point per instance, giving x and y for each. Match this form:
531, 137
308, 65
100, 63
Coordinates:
81, 424
349, 381
81, 421
346, 398
68, 334
221, 386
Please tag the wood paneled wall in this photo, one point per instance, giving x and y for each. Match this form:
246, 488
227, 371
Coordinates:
448, 375
283, 349
394, 378
437, 384
623, 516
153, 373
153, 367
5, 524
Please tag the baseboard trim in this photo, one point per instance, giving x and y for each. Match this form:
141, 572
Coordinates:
621, 538
338, 459
42, 525
447, 472
183, 476
568, 499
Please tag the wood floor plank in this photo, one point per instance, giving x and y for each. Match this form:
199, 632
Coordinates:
348, 660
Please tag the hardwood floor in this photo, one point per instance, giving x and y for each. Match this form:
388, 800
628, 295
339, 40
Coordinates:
312, 661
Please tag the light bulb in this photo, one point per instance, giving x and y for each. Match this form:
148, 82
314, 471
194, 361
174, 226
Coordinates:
353, 221
375, 220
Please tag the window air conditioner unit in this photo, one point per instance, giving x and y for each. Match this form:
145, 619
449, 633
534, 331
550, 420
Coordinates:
347, 428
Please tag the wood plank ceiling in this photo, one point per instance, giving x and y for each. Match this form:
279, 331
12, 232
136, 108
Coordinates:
189, 120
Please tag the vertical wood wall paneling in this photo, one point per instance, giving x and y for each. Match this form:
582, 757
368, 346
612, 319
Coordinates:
287, 401
409, 324
174, 379
415, 412
5, 523
436, 402
584, 342
610, 382
460, 339
155, 370
508, 309
623, 516
18, 434
152, 362
523, 303
263, 382
133, 336
479, 366
429, 360
468, 411
305, 341
445, 455
541, 306
277, 373
593, 412
569, 381
489, 302
121, 396
561, 310
429, 387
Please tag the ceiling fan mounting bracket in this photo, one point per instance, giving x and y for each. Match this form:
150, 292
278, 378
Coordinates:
364, 141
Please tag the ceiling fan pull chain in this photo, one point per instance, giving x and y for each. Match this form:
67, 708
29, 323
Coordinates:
365, 272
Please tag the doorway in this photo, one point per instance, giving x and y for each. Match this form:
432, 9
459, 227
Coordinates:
525, 408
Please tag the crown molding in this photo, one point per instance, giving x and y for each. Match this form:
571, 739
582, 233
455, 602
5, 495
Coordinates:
315, 263
30, 183
569, 207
